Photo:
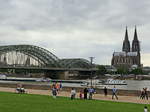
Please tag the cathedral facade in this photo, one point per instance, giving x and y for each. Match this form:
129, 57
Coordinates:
130, 56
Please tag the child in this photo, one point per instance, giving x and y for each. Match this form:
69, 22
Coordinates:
80, 94
145, 109
73, 93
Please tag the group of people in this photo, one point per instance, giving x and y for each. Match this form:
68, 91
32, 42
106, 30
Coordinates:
87, 93
20, 88
56, 87
144, 93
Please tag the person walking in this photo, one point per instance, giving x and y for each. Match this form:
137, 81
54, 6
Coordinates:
145, 93
114, 93
142, 96
73, 94
85, 93
91, 91
54, 92
105, 91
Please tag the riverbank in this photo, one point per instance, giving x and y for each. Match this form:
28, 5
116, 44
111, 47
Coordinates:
46, 86
131, 99
124, 95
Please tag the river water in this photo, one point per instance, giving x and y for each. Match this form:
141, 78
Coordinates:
131, 84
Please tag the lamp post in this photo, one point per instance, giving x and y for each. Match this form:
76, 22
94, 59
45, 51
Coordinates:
91, 60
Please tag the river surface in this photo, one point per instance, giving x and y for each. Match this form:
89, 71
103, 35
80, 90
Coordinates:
131, 84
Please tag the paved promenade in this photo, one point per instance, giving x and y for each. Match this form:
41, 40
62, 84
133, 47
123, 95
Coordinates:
131, 99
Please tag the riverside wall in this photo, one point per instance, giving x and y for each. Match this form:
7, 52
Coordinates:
47, 87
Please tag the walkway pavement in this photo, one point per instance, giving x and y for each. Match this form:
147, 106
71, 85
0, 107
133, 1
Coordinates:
131, 99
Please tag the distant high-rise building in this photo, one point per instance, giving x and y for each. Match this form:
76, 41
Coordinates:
129, 57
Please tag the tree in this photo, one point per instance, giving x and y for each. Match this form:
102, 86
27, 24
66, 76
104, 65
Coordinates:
122, 70
101, 70
137, 71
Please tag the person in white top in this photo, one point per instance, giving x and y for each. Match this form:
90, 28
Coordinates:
145, 109
73, 93
114, 93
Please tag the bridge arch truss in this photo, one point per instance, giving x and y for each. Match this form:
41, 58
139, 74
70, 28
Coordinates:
41, 55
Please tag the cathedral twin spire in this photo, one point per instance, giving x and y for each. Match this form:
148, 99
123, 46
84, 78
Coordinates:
135, 43
126, 43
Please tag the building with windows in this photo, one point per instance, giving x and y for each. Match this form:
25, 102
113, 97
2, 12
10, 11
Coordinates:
130, 56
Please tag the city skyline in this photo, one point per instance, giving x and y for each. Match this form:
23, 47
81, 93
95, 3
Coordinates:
74, 28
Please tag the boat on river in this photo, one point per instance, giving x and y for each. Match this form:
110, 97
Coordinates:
114, 82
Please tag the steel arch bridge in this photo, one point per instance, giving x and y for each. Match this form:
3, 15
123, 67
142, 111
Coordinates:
44, 58
76, 63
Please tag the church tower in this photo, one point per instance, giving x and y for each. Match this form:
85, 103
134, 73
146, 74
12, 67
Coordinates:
136, 48
135, 43
130, 57
126, 43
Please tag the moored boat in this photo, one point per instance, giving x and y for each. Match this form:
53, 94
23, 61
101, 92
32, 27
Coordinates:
114, 82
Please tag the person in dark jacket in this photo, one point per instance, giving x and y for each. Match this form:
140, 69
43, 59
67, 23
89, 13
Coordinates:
85, 93
105, 91
145, 93
54, 92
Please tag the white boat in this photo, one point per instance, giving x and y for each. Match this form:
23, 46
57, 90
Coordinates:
43, 80
85, 84
114, 82
97, 83
2, 76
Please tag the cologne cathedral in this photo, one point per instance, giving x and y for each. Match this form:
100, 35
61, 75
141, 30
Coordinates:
130, 56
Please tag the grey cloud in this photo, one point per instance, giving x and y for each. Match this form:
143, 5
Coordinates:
70, 14
50, 13
89, 27
131, 12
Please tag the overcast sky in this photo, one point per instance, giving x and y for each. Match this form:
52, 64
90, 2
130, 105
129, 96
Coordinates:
76, 28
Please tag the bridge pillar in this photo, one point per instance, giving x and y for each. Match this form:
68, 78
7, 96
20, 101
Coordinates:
64, 75
69, 75
5, 61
